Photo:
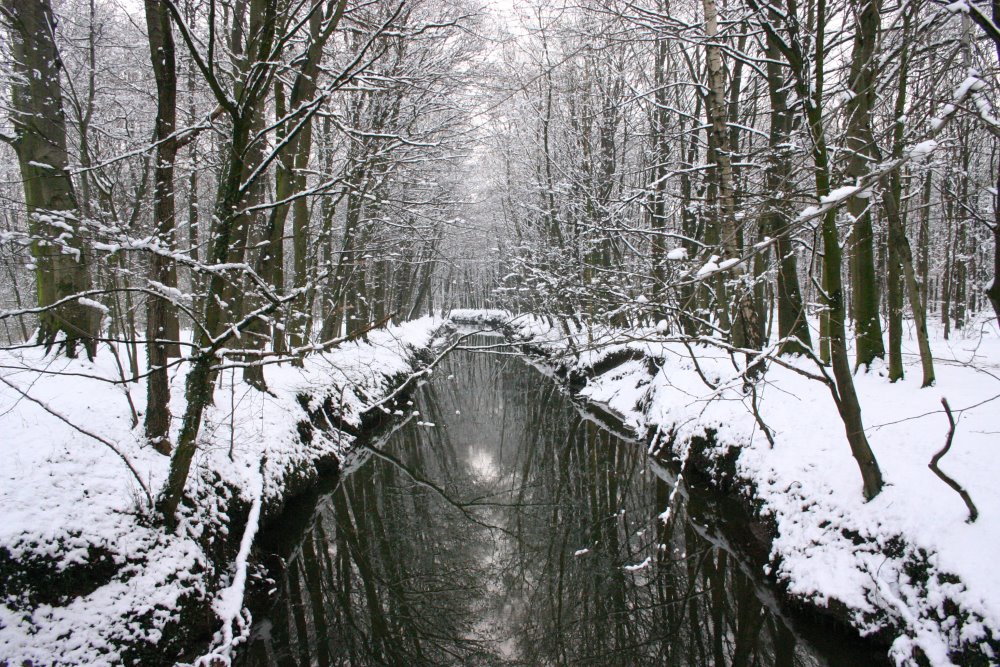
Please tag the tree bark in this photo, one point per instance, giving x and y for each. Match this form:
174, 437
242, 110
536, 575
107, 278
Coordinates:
993, 289
161, 319
792, 322
860, 144
61, 255
809, 87
747, 330
900, 253
228, 242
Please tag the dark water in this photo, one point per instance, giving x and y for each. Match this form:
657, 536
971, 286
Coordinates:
516, 530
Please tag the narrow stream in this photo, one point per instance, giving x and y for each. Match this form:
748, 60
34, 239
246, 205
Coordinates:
505, 526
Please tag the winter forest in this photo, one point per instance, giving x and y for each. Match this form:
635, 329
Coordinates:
254, 251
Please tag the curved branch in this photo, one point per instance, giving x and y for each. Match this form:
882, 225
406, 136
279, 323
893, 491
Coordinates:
933, 465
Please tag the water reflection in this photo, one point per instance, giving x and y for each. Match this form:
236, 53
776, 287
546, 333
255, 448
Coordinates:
501, 526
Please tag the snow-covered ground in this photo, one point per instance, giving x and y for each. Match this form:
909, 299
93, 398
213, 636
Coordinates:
906, 562
74, 513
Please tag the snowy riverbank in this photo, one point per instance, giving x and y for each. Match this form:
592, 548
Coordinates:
85, 576
905, 566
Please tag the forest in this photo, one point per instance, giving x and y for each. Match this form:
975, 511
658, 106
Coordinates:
203, 200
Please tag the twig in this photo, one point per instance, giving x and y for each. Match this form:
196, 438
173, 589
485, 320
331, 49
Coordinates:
933, 465
421, 481
697, 367
128, 394
755, 408
405, 386
110, 445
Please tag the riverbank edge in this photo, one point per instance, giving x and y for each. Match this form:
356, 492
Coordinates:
328, 427
715, 467
324, 418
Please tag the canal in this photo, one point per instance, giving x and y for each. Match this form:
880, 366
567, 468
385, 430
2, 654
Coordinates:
501, 523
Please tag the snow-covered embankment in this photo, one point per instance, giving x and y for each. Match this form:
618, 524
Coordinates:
905, 567
86, 575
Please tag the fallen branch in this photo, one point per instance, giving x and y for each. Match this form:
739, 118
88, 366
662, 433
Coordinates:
933, 465
228, 605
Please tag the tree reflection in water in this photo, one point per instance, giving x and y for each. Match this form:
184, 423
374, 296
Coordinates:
515, 530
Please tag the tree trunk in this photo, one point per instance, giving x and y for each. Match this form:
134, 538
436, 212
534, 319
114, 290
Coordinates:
62, 258
792, 322
894, 300
689, 228
747, 330
900, 254
809, 87
161, 318
946, 279
660, 145
993, 289
847, 400
860, 144
228, 244
924, 243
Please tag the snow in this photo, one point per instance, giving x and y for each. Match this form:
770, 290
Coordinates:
840, 194
972, 83
831, 545
923, 149
229, 602
67, 496
639, 566
972, 86
475, 316
711, 266
808, 212
677, 254
170, 292
90, 303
